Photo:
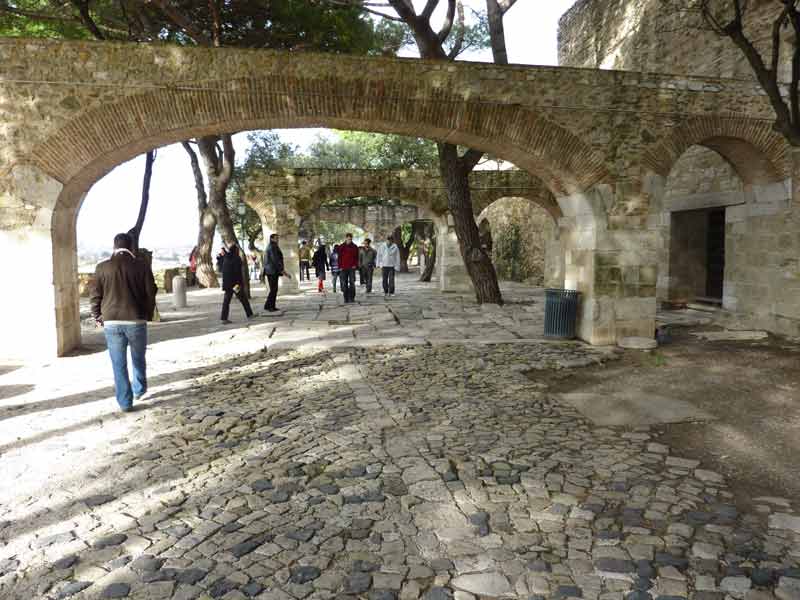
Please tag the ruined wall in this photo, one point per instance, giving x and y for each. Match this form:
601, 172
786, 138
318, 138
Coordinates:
654, 36
520, 222
762, 244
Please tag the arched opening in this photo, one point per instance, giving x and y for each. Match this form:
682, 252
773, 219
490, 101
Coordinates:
523, 239
713, 196
86, 148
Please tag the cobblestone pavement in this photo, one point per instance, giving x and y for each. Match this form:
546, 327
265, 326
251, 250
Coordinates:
412, 469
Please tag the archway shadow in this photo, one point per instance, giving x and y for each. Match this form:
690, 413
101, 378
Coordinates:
320, 417
9, 391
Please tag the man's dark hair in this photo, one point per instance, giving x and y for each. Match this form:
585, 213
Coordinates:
272, 236
123, 240
367, 241
348, 235
390, 238
304, 242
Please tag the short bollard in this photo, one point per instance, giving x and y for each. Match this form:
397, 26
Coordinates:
179, 291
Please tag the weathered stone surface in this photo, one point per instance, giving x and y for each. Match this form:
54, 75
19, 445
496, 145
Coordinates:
483, 584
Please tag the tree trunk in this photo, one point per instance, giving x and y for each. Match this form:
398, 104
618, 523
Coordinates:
478, 263
136, 232
430, 261
206, 273
497, 34
219, 164
397, 234
207, 225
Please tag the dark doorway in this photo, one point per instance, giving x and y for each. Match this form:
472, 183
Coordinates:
697, 256
715, 256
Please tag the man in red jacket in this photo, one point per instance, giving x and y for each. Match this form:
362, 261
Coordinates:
348, 263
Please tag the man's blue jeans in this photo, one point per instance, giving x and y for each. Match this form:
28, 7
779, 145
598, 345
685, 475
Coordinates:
118, 337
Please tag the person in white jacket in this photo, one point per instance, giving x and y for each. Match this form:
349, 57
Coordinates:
388, 261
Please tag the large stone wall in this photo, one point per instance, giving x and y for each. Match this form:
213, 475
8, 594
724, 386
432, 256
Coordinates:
654, 36
762, 244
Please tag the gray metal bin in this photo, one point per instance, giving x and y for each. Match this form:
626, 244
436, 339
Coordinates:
560, 313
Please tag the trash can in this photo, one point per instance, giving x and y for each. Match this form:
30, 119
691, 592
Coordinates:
560, 313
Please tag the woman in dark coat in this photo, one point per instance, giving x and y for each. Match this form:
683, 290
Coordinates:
233, 283
320, 262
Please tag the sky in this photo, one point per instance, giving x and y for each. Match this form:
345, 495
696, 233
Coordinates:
112, 204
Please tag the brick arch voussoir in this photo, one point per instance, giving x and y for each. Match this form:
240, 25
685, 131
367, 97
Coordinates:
754, 149
99, 139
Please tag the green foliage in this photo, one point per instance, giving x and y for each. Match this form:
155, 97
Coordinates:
59, 20
364, 150
334, 232
475, 31
285, 25
507, 253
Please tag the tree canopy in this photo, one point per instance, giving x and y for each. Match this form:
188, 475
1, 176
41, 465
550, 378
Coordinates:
364, 150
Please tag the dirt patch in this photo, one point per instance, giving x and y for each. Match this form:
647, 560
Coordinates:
751, 388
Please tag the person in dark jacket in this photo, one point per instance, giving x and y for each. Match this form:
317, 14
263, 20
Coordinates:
320, 262
233, 283
348, 263
273, 269
122, 300
221, 259
366, 263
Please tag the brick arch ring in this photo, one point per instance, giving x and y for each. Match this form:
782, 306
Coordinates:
757, 153
93, 143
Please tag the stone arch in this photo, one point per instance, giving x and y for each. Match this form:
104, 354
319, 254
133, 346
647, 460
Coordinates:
93, 143
105, 135
757, 153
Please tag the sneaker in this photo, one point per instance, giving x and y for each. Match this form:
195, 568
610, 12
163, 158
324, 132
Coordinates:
254, 316
127, 409
225, 322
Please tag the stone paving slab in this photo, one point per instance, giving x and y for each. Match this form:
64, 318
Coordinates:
410, 468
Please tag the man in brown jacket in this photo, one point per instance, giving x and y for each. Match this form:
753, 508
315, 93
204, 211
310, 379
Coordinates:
123, 300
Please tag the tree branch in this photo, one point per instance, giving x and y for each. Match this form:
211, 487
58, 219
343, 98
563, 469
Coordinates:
202, 198
216, 21
461, 31
228, 158
430, 6
505, 5
448, 21
471, 158
82, 7
183, 22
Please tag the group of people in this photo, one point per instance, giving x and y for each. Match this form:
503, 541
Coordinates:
344, 260
123, 297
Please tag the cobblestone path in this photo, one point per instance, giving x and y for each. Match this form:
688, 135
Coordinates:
426, 471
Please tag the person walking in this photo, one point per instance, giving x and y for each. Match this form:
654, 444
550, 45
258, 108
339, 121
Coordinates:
233, 284
305, 260
389, 262
221, 258
122, 300
367, 260
273, 270
361, 280
320, 260
334, 261
348, 263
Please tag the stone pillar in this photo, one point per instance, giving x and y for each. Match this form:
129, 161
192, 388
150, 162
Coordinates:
39, 306
453, 276
286, 223
613, 263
